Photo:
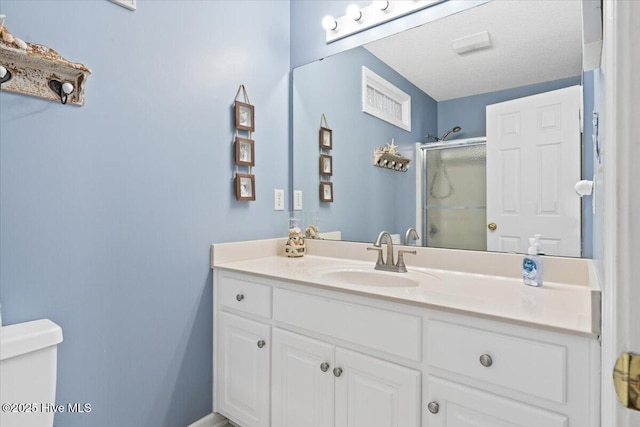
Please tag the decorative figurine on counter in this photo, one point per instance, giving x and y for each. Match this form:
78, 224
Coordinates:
312, 232
295, 245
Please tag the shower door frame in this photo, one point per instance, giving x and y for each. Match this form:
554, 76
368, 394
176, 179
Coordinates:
421, 176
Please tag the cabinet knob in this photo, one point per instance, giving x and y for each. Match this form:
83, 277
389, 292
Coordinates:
324, 367
492, 226
486, 360
261, 343
337, 371
239, 297
433, 407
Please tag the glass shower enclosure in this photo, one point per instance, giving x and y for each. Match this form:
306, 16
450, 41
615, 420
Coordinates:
452, 194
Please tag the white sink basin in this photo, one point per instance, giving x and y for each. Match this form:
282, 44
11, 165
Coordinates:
367, 276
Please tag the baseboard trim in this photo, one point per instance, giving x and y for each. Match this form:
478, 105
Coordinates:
211, 420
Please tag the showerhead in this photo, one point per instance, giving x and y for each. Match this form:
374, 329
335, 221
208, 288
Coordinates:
454, 130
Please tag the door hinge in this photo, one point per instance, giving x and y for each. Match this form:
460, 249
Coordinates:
626, 379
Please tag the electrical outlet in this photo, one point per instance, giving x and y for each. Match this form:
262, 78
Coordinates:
278, 200
297, 200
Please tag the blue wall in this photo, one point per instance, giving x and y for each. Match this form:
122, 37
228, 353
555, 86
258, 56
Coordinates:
469, 112
333, 86
108, 210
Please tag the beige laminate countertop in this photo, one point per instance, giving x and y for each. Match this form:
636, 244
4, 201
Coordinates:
559, 306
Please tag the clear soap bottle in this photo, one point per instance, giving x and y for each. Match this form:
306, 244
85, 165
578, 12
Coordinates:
532, 268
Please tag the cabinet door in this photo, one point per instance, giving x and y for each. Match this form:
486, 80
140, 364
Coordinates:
243, 370
374, 393
453, 405
302, 383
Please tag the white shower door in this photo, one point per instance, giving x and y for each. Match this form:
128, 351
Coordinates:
533, 164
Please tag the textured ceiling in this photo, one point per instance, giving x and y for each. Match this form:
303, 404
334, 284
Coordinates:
533, 41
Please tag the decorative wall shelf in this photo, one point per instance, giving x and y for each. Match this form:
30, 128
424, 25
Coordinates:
33, 67
388, 157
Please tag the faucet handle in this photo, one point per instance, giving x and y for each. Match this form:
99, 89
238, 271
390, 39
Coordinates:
379, 249
401, 267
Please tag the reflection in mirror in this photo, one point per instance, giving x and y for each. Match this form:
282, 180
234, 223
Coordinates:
536, 48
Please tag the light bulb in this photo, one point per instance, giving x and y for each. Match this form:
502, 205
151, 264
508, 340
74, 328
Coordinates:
384, 6
353, 12
3, 72
329, 24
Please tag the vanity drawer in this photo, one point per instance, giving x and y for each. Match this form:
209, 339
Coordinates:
532, 367
390, 332
245, 295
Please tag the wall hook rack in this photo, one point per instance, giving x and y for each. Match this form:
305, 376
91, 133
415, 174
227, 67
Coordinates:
37, 70
388, 157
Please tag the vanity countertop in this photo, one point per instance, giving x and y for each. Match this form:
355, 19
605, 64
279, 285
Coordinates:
559, 306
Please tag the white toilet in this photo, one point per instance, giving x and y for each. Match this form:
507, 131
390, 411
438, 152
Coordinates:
28, 360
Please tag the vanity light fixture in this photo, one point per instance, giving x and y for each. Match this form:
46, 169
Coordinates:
5, 75
378, 12
471, 43
329, 24
354, 12
383, 6
63, 90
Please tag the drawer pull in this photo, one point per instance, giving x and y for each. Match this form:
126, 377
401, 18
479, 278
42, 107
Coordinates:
261, 343
486, 360
337, 371
433, 407
239, 297
324, 367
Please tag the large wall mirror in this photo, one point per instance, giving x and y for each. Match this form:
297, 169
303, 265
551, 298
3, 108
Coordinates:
536, 47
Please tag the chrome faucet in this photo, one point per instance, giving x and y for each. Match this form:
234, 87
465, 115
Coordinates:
410, 234
388, 264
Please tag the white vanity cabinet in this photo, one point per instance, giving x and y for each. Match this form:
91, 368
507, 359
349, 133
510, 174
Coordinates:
316, 384
242, 351
243, 365
483, 373
458, 405
333, 358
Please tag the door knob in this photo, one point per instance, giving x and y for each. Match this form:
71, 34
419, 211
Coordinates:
337, 371
324, 367
492, 226
626, 379
261, 343
239, 297
433, 407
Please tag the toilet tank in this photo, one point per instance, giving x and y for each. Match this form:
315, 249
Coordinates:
28, 365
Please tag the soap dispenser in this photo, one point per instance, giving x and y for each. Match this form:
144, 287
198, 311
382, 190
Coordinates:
532, 269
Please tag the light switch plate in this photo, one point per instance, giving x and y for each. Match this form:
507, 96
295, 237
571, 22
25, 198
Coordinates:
297, 200
278, 200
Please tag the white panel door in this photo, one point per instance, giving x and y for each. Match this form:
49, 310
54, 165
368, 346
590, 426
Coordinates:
302, 385
243, 370
533, 164
374, 393
454, 405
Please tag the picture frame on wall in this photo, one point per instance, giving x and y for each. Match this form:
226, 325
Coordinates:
245, 152
245, 187
326, 192
326, 138
326, 165
245, 116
